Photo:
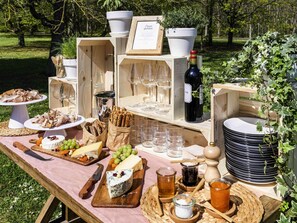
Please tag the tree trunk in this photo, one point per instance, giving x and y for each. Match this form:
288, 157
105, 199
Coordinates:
250, 31
230, 38
21, 39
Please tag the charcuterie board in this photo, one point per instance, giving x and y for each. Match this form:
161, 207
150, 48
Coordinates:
102, 155
130, 199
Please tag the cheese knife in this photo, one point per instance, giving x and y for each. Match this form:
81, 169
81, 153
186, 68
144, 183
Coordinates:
91, 181
29, 151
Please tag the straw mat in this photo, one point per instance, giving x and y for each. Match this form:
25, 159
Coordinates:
249, 207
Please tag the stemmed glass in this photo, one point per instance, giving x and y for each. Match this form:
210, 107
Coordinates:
163, 81
148, 79
134, 78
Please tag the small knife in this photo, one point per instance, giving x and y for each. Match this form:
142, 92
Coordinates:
91, 181
29, 151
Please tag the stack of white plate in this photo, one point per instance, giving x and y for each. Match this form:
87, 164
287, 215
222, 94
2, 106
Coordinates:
248, 157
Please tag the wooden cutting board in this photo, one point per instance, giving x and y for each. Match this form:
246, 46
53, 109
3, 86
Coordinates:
130, 199
102, 155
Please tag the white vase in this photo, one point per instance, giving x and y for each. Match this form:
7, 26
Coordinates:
119, 22
181, 40
70, 66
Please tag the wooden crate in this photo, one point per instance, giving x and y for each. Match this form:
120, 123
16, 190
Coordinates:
178, 66
233, 100
97, 59
62, 93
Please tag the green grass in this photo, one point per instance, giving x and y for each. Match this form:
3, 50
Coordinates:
21, 197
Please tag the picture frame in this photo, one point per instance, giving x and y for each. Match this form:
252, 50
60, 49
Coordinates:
146, 36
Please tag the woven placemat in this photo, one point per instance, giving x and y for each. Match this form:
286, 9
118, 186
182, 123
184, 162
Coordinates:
249, 207
6, 131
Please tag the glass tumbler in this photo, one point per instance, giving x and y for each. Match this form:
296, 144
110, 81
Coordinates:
190, 174
175, 142
220, 194
166, 181
147, 136
160, 142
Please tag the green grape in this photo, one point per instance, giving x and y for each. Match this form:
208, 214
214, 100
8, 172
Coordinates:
122, 157
124, 150
114, 155
66, 147
129, 150
129, 147
76, 146
117, 161
120, 149
127, 154
134, 152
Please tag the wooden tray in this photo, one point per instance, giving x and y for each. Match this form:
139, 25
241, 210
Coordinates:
102, 155
130, 199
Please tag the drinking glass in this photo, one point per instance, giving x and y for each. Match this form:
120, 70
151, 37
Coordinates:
147, 135
163, 81
148, 79
175, 142
220, 194
134, 78
160, 139
166, 181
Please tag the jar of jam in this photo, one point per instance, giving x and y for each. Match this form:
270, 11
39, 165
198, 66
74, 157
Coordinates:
189, 174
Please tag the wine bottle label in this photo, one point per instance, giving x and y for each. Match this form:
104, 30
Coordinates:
201, 94
188, 93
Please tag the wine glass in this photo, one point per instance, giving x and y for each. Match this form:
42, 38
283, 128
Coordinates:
148, 79
163, 81
134, 78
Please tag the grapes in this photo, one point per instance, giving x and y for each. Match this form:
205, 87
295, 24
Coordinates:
123, 153
69, 144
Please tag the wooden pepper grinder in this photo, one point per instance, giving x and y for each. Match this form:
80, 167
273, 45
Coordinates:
211, 154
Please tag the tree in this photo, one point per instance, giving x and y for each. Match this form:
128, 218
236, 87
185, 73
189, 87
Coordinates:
236, 12
17, 19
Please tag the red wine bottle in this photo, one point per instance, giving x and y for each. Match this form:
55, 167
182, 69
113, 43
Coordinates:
193, 83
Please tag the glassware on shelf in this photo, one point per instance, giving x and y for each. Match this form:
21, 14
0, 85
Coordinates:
160, 139
134, 78
148, 79
175, 142
163, 82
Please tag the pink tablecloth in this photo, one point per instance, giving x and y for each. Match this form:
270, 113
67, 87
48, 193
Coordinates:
71, 177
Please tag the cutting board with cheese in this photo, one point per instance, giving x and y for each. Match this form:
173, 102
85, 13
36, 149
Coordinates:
93, 148
107, 194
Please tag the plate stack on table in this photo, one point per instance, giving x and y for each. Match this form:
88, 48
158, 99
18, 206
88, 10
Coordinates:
248, 157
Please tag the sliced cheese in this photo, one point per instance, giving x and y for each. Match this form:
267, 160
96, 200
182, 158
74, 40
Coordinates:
92, 150
132, 162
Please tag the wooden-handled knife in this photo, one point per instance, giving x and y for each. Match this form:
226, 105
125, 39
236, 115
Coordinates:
91, 181
29, 152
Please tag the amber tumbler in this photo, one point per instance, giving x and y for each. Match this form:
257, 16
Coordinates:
166, 181
220, 194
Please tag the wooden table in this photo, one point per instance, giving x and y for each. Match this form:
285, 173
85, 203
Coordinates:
64, 179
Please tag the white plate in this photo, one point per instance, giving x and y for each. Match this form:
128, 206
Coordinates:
28, 124
43, 97
246, 125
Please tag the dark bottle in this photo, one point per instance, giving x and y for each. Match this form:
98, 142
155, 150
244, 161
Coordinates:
193, 82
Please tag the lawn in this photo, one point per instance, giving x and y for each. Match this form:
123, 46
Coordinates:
21, 198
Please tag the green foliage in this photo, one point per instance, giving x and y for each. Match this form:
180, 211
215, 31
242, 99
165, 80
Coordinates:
183, 17
113, 5
68, 48
268, 61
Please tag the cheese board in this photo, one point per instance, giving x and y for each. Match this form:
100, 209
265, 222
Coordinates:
130, 199
102, 155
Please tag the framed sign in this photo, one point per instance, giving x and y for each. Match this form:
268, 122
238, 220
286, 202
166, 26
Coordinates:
146, 36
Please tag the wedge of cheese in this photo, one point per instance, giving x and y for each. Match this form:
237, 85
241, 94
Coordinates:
119, 182
132, 162
92, 150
